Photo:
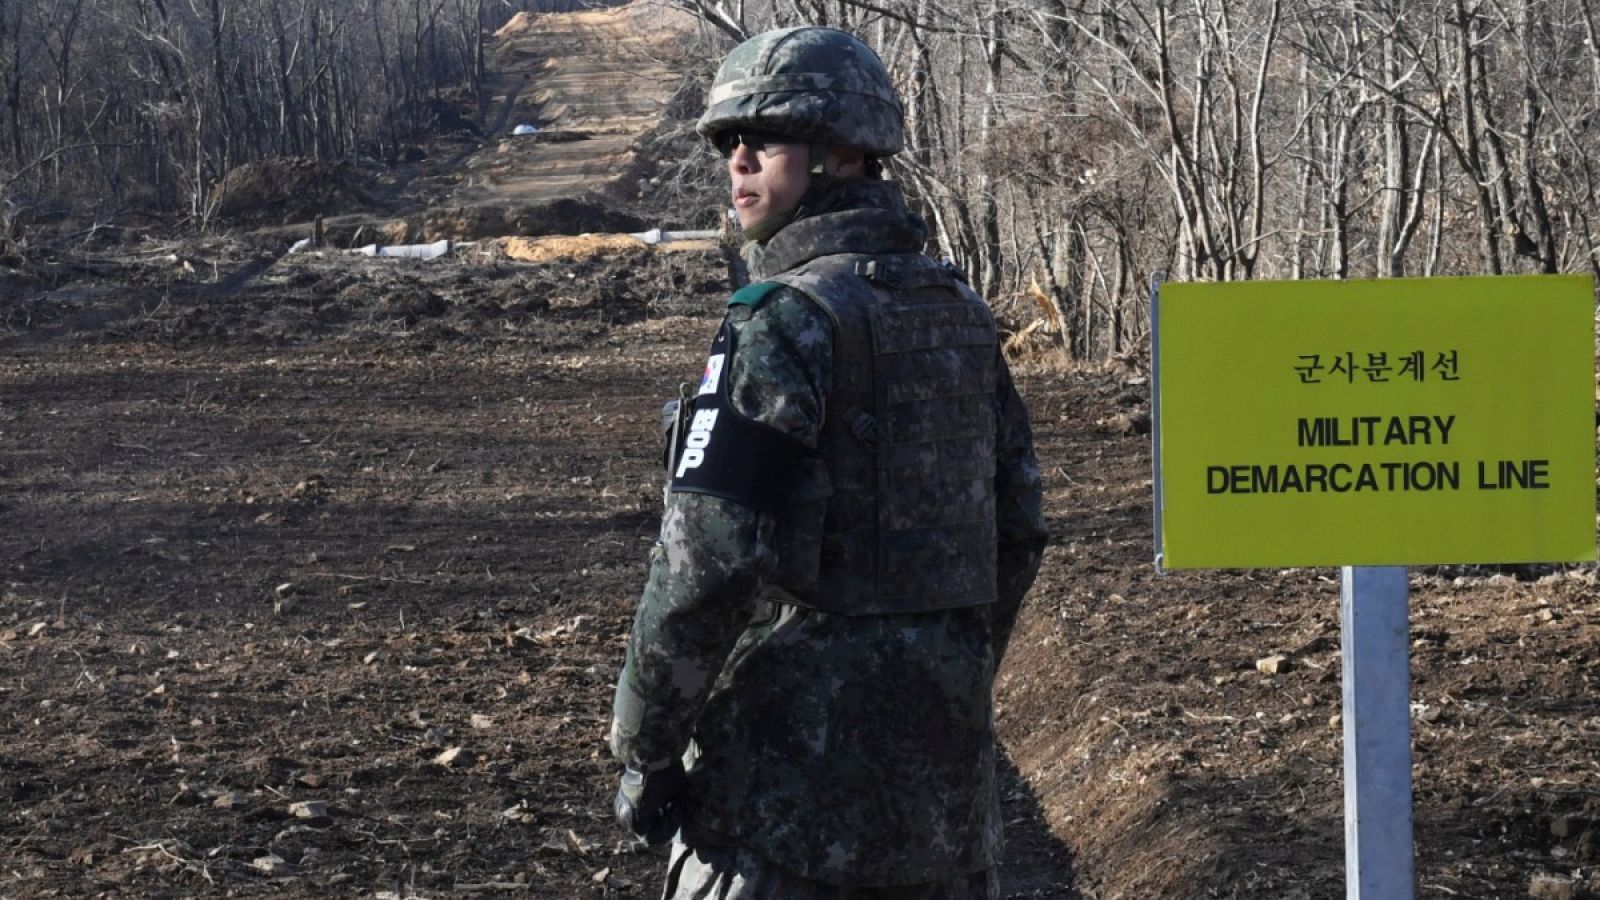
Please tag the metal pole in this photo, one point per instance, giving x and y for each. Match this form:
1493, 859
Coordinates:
1377, 733
1158, 500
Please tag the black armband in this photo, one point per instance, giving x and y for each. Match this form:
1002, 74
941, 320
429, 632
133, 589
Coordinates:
727, 454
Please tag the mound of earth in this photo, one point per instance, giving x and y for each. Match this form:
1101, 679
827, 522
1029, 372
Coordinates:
563, 215
583, 246
289, 189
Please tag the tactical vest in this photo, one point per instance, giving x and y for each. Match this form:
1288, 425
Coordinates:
908, 443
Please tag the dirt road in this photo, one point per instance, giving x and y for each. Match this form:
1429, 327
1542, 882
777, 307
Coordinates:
591, 82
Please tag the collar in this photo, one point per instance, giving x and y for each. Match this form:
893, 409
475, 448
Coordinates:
866, 216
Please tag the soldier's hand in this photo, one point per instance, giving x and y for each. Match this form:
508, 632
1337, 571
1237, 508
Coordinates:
672, 425
647, 802
669, 412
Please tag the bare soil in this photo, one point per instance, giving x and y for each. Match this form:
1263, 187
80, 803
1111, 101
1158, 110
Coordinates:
316, 572
289, 190
296, 543
1172, 767
299, 544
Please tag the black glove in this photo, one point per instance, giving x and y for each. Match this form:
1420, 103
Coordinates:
647, 802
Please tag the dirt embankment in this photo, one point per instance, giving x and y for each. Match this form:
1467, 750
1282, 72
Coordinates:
569, 101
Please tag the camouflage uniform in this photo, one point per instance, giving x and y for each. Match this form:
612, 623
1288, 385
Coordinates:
840, 748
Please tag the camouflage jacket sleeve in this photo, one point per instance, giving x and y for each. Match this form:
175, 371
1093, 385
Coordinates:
706, 568
1019, 507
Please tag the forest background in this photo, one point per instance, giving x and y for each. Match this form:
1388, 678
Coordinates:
1064, 151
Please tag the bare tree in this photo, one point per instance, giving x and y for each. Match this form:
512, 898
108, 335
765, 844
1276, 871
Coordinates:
1062, 151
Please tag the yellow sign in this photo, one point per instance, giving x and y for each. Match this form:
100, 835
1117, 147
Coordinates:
1372, 423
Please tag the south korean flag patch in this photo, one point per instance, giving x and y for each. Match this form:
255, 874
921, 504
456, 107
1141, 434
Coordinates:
727, 454
712, 378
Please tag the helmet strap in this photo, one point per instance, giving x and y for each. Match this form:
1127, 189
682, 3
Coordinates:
771, 225
818, 156
816, 193
820, 183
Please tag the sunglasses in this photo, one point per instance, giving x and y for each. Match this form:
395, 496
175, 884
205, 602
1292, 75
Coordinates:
757, 141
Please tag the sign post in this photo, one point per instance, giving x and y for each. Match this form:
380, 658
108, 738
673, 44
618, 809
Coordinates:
1373, 425
1377, 732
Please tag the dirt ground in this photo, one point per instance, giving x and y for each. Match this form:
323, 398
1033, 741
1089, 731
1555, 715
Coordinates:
303, 545
316, 572
298, 544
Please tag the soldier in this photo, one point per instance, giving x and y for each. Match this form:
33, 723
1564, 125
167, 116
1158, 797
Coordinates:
853, 519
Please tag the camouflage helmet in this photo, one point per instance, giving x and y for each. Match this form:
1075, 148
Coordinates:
819, 85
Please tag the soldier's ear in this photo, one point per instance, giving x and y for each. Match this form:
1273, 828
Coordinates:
844, 163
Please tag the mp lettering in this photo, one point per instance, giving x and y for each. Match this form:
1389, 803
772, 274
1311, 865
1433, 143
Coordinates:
699, 438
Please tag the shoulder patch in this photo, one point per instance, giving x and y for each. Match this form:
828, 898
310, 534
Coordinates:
752, 294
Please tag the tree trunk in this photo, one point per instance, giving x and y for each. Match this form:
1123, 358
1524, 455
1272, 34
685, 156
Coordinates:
1396, 168
219, 81
1544, 242
1466, 86
988, 207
